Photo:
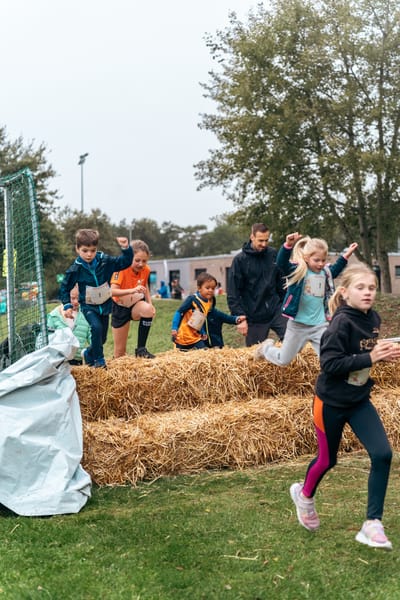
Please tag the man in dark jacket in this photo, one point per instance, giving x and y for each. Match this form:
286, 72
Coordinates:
255, 288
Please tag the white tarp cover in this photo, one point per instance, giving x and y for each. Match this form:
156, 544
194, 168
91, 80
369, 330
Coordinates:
41, 433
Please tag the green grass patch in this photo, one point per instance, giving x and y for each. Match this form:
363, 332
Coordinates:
210, 536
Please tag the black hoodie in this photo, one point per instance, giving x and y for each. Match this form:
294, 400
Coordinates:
255, 286
345, 357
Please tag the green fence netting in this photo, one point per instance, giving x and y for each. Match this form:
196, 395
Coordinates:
22, 293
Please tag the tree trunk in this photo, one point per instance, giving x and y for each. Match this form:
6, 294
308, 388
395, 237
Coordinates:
383, 262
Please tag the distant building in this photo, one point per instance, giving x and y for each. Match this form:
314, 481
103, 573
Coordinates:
188, 269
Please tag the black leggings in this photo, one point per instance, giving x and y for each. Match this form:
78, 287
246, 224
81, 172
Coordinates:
364, 420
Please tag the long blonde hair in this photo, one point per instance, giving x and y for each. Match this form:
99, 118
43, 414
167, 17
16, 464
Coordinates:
302, 249
349, 276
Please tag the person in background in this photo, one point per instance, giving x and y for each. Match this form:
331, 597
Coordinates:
70, 315
163, 290
132, 302
92, 271
218, 289
309, 286
349, 348
176, 289
255, 288
190, 322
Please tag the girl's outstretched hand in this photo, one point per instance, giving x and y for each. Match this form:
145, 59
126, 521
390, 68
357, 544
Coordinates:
292, 238
350, 250
385, 350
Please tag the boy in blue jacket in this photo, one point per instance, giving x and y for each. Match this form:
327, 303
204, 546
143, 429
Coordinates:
92, 271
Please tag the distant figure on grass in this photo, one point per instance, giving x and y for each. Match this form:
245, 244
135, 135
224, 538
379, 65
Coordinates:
349, 347
163, 290
70, 315
132, 302
92, 271
255, 288
218, 289
309, 286
192, 321
176, 289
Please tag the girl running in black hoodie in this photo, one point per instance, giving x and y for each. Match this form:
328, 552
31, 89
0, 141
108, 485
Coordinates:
349, 347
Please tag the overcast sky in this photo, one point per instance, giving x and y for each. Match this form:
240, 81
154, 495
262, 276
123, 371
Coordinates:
119, 80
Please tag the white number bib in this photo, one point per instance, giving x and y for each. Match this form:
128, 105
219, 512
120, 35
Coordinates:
97, 295
359, 377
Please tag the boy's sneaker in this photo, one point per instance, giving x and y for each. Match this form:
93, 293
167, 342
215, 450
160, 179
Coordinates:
85, 360
305, 508
259, 351
143, 353
100, 363
372, 534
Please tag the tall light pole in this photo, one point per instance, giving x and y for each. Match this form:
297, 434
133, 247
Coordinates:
81, 162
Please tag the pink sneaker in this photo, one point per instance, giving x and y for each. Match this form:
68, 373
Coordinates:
372, 534
305, 508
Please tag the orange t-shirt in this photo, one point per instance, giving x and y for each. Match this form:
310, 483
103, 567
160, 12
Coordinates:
128, 278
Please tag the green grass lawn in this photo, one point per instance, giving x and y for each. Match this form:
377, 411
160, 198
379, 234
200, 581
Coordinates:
211, 536
217, 535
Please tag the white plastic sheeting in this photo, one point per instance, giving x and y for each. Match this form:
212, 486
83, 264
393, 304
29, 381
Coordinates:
41, 433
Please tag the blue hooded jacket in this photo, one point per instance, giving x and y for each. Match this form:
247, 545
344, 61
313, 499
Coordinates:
96, 273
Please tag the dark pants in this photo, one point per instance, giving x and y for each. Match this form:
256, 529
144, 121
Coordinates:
364, 420
258, 332
99, 328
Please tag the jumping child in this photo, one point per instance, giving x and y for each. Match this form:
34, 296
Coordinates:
349, 347
92, 271
308, 289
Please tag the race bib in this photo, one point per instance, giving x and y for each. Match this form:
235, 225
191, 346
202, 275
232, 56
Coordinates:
197, 319
359, 377
314, 285
97, 295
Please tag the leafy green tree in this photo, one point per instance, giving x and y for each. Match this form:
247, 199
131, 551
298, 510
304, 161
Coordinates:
187, 243
68, 223
225, 237
72, 220
308, 97
16, 155
149, 231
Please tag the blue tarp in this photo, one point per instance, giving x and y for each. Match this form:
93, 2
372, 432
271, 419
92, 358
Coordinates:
41, 440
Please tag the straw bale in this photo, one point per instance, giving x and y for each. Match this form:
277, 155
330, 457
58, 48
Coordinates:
178, 380
386, 375
233, 434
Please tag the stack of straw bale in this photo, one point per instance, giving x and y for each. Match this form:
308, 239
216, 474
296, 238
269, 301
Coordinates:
186, 412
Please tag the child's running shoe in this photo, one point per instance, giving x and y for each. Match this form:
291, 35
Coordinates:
100, 363
85, 360
143, 353
305, 508
372, 534
259, 352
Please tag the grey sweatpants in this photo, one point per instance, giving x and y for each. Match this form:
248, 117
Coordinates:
296, 337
